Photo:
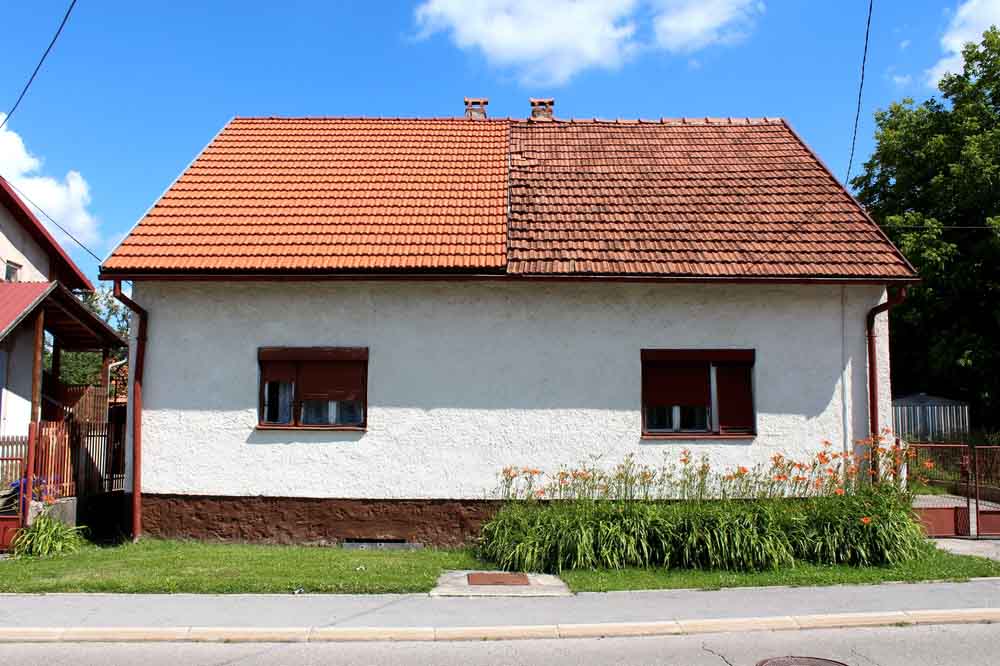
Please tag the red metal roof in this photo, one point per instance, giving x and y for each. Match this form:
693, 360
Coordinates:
65, 269
76, 327
17, 300
699, 199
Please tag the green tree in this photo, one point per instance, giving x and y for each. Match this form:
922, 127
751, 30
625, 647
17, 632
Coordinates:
933, 184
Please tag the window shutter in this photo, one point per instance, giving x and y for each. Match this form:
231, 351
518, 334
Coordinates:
734, 387
332, 380
277, 371
685, 384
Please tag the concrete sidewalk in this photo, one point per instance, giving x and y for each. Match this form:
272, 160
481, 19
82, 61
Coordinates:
421, 617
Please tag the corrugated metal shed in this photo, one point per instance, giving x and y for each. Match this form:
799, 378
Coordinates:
928, 417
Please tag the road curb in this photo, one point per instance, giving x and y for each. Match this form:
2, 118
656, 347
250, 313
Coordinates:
494, 633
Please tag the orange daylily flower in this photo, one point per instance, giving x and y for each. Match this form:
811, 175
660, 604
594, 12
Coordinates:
866, 520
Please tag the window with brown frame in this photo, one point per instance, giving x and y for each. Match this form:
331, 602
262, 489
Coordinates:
313, 387
691, 392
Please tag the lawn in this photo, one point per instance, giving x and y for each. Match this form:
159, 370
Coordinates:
187, 566
934, 565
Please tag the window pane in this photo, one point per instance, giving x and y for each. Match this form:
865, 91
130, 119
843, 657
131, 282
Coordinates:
11, 272
318, 412
659, 419
278, 402
350, 412
694, 418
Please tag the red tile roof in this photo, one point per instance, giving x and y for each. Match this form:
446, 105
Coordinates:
699, 199
685, 198
332, 194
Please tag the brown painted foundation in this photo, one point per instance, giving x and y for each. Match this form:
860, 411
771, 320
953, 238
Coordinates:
289, 520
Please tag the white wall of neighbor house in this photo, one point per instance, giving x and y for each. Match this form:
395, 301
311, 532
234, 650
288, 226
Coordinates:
17, 245
18, 361
465, 378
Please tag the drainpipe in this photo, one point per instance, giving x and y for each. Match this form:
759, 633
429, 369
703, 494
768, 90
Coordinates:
140, 358
895, 298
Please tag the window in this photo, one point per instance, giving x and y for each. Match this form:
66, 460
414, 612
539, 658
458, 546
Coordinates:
697, 392
313, 387
12, 271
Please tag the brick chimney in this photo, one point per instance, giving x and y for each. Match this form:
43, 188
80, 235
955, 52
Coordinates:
541, 109
475, 107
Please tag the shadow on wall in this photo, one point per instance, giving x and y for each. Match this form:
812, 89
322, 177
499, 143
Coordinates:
297, 436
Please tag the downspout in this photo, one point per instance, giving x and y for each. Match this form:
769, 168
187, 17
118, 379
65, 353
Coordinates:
895, 298
140, 358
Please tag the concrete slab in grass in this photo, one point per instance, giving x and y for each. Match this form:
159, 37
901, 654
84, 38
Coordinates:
456, 584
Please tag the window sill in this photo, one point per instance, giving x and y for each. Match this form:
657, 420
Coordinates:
274, 426
699, 435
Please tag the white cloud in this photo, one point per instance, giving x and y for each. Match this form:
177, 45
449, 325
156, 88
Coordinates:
683, 26
901, 80
66, 200
967, 24
547, 43
903, 45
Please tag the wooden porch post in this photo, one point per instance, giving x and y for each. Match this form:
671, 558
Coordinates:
36, 369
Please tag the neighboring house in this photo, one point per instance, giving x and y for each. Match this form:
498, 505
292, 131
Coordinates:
36, 299
355, 323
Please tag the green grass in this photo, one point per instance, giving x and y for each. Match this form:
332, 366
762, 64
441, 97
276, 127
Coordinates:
934, 565
182, 566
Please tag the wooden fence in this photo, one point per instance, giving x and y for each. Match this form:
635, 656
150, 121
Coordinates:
80, 458
13, 451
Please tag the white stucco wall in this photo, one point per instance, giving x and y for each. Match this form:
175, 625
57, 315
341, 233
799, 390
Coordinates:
15, 398
467, 377
18, 246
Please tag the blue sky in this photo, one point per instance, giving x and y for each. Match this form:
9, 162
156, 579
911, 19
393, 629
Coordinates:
133, 90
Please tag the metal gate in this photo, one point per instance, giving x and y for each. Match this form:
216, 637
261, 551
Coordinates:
955, 488
986, 470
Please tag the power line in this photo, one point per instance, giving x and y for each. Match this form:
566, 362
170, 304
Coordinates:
39, 65
60, 227
861, 87
854, 137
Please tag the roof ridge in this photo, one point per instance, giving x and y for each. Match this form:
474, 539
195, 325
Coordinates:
663, 120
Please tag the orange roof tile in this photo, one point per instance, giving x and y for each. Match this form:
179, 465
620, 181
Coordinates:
332, 194
704, 199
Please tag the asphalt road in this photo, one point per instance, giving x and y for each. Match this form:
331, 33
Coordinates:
953, 645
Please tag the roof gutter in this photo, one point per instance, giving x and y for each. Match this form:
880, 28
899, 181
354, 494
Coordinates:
895, 297
140, 362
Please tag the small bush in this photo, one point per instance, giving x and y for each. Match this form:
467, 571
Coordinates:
46, 537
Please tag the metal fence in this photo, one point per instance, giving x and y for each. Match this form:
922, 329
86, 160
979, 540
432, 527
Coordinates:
956, 487
930, 419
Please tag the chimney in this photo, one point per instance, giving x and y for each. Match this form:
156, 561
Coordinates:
475, 107
541, 109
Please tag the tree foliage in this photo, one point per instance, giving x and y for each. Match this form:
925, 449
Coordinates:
934, 173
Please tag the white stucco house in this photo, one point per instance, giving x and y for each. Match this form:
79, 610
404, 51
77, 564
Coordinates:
348, 326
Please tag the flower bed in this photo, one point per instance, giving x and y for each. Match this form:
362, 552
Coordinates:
829, 510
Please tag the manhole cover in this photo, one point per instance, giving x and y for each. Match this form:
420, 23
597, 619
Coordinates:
799, 661
497, 579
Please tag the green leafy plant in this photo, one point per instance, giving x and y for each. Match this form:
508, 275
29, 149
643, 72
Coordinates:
46, 537
831, 509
